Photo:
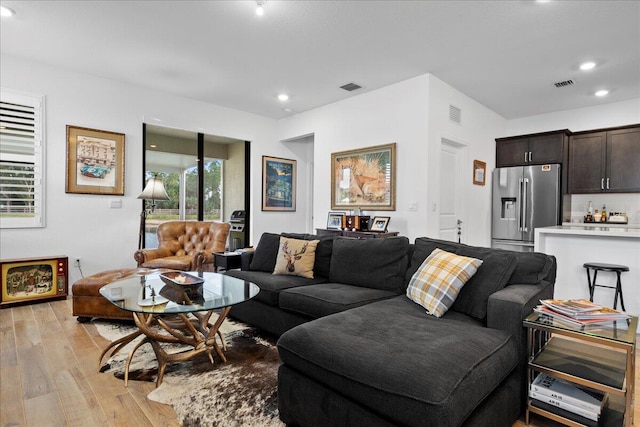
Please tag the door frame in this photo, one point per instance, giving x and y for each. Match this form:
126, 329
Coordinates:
460, 148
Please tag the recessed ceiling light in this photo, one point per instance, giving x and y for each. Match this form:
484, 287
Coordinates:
587, 65
602, 92
6, 11
260, 7
283, 97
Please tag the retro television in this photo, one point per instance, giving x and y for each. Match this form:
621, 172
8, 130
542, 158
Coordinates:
31, 280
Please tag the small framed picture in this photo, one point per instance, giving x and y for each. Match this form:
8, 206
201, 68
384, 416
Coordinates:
479, 172
379, 223
334, 220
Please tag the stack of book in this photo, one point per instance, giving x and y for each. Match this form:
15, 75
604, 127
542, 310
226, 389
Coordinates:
579, 311
580, 404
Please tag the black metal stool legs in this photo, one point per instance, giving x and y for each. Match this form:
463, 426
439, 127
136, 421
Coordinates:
613, 268
591, 284
618, 292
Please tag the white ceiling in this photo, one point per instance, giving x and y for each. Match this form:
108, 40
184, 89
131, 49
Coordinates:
504, 54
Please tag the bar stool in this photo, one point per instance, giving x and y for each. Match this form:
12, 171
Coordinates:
595, 266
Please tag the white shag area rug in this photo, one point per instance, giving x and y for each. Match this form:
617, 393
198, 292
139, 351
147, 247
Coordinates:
240, 392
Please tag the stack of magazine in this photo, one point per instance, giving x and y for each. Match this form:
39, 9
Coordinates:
579, 311
580, 404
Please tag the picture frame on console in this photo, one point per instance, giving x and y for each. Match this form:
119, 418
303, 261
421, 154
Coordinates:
278, 184
95, 161
334, 220
379, 224
364, 178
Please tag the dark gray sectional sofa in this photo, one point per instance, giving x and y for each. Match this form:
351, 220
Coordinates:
356, 351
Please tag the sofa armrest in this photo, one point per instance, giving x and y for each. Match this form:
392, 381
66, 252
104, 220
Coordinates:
509, 306
245, 260
143, 255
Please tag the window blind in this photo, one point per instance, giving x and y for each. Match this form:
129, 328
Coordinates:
21, 159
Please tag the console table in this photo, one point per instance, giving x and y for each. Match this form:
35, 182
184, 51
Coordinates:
356, 234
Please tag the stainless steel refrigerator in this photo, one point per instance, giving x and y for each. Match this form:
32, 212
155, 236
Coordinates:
524, 198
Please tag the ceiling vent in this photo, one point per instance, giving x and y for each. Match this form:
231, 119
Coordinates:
564, 83
350, 87
455, 114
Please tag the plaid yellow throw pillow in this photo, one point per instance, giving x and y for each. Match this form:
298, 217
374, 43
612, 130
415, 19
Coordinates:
439, 279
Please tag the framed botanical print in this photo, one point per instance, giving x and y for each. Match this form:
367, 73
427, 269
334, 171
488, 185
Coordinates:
95, 161
364, 178
278, 184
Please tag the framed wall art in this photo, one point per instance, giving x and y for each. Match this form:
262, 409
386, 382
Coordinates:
379, 223
364, 178
334, 220
25, 281
479, 172
278, 184
95, 161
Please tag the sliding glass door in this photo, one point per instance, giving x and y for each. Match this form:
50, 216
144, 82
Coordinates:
193, 168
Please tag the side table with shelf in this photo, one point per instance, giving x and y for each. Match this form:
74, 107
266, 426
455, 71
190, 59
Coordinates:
226, 260
601, 357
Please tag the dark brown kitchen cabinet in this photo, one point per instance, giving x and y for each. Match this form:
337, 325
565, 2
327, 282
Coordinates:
605, 161
535, 149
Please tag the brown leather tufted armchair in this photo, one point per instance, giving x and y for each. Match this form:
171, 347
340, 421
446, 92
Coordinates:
185, 245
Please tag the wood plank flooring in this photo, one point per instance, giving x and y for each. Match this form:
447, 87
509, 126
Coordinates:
48, 376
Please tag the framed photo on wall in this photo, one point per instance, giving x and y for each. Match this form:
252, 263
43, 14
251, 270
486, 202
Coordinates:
479, 172
278, 184
364, 178
95, 161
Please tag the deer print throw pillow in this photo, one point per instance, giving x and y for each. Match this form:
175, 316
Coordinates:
296, 257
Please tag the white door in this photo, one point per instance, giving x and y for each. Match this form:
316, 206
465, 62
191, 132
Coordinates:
451, 225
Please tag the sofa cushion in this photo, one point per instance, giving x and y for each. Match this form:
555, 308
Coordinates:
492, 276
439, 279
271, 284
532, 268
422, 248
425, 368
296, 257
323, 251
264, 256
371, 263
328, 298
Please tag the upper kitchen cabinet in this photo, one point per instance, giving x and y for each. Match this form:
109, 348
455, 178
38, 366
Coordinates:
605, 161
535, 149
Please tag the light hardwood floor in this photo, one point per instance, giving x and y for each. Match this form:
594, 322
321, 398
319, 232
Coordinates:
48, 375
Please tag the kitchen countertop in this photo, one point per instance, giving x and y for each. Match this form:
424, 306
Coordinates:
591, 230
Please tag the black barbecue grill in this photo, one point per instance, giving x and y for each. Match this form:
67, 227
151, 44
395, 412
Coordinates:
236, 234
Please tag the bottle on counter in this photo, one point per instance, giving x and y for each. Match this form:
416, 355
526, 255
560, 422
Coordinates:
589, 216
604, 214
596, 216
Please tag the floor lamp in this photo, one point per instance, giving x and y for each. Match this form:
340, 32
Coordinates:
153, 191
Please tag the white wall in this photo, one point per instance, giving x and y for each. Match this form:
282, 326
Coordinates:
414, 114
477, 132
83, 225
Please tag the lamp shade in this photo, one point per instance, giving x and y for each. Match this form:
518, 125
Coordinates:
154, 190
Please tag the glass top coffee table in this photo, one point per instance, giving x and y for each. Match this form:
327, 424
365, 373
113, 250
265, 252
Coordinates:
175, 307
